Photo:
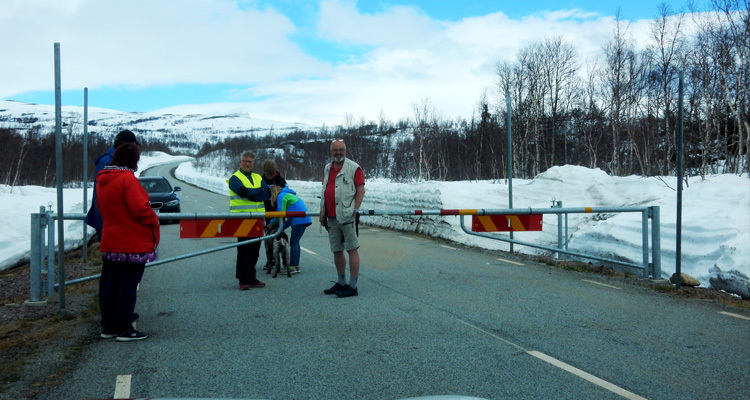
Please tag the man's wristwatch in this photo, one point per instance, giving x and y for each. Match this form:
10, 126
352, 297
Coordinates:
356, 211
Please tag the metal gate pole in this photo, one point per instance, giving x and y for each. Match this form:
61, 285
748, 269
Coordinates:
36, 254
558, 204
644, 233
85, 171
510, 158
656, 241
50, 253
59, 169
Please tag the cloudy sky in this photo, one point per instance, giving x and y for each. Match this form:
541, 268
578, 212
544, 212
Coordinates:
312, 61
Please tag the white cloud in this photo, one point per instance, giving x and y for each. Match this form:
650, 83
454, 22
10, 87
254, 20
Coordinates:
397, 26
399, 55
142, 42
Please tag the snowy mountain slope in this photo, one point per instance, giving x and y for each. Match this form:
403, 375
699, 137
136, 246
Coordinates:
184, 132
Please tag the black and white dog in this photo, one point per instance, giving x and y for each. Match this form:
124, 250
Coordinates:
278, 250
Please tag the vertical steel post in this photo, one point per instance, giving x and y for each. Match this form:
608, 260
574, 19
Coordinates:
566, 231
85, 171
656, 241
48, 221
35, 259
510, 158
678, 250
558, 204
644, 245
59, 168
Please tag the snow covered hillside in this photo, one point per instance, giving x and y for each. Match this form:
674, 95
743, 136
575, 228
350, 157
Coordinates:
181, 132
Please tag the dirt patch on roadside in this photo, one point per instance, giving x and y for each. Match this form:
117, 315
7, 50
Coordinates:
37, 342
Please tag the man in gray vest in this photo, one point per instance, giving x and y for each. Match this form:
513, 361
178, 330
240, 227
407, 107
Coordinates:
343, 191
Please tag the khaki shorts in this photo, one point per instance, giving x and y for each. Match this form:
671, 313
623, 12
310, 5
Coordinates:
342, 237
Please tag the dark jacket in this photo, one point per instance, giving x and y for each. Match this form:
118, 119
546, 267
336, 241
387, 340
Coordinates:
277, 180
93, 218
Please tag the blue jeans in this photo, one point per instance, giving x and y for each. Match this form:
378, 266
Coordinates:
297, 232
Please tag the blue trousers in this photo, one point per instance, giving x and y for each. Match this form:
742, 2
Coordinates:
118, 287
297, 232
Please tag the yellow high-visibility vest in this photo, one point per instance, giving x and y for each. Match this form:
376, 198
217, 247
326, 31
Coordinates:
241, 204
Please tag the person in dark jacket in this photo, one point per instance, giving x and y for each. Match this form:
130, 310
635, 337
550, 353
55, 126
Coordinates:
286, 199
93, 218
272, 177
247, 192
130, 236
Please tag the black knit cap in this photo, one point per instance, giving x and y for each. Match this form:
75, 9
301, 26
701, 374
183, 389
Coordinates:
126, 136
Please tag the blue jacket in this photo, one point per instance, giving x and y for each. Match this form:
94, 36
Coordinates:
93, 218
288, 201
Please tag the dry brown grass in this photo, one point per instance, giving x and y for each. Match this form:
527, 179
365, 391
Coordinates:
37, 342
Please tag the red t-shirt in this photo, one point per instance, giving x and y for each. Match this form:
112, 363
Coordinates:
359, 179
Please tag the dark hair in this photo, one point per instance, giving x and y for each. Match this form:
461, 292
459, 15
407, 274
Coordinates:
125, 136
126, 155
269, 167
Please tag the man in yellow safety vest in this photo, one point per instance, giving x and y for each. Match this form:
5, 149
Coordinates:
247, 192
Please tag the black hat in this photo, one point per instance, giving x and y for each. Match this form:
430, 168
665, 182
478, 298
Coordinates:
126, 136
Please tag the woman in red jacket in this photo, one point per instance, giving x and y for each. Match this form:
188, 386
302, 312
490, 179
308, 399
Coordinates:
130, 235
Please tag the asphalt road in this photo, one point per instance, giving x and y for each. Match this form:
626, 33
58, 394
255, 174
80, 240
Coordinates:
432, 318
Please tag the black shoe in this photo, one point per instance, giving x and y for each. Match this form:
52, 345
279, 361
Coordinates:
131, 335
348, 291
335, 288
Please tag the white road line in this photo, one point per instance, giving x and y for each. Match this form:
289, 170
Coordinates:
734, 315
406, 237
122, 387
448, 247
585, 375
566, 367
307, 251
509, 262
373, 230
599, 283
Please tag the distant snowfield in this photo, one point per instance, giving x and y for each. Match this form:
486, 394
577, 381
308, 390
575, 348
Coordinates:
162, 125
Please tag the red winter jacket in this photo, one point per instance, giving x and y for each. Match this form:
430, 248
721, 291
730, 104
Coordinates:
130, 225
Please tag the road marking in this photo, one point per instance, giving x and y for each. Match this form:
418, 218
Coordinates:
734, 315
599, 283
307, 251
509, 262
585, 375
448, 247
122, 387
406, 237
566, 367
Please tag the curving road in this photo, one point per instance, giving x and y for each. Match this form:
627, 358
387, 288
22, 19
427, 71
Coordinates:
432, 318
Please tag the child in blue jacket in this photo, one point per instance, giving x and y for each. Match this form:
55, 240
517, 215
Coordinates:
285, 199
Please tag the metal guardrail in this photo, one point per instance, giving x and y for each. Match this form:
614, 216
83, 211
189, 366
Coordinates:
44, 219
650, 268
